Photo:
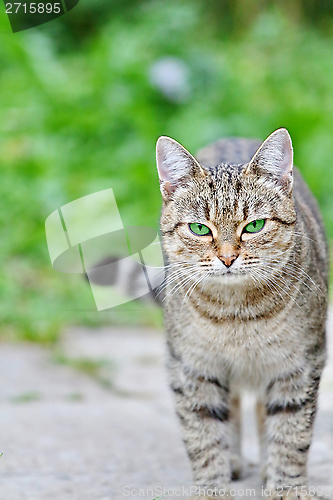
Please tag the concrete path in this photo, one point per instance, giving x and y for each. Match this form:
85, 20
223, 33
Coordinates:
95, 421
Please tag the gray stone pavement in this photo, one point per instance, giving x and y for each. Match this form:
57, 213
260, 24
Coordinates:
68, 435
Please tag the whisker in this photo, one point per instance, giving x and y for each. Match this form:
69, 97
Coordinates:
274, 282
267, 282
187, 279
304, 236
295, 264
179, 266
191, 289
293, 273
171, 279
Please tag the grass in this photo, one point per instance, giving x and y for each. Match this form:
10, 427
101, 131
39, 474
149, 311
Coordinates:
26, 397
78, 116
101, 370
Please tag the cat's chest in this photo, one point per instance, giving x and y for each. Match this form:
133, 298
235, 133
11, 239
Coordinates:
250, 351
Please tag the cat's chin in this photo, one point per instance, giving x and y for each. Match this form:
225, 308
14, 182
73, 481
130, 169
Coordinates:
228, 278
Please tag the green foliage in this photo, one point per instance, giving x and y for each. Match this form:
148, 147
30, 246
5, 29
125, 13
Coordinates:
26, 397
101, 370
79, 114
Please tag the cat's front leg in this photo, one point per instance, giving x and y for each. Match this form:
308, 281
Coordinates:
290, 410
202, 405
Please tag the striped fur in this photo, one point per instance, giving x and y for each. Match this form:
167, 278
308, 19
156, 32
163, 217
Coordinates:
258, 323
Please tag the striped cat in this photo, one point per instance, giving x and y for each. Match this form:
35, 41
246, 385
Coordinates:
245, 304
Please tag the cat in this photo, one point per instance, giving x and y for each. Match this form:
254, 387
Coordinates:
245, 304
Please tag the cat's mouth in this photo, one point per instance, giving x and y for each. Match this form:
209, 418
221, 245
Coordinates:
228, 276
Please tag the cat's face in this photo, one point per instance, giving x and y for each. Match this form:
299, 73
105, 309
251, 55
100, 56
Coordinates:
231, 221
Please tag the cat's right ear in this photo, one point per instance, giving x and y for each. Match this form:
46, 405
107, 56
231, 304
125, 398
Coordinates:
175, 165
275, 158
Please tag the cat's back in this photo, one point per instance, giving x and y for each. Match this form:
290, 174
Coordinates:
233, 150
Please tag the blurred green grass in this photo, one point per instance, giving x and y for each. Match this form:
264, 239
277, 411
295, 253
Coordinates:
78, 114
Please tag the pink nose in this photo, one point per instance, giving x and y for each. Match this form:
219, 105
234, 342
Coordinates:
227, 261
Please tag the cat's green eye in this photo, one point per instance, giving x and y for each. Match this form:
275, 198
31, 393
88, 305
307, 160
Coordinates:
255, 226
199, 229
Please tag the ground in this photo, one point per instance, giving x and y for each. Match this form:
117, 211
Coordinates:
94, 420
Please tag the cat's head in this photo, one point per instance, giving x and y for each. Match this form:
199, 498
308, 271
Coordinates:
229, 220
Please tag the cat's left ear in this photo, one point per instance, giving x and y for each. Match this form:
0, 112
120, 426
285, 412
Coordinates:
275, 158
175, 165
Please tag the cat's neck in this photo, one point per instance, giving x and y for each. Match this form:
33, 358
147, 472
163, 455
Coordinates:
244, 300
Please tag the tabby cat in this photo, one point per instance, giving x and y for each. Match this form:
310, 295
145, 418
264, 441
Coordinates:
245, 303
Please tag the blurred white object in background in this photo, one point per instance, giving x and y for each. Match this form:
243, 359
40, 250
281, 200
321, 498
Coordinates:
171, 76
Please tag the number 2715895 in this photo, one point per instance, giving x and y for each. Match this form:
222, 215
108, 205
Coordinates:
33, 8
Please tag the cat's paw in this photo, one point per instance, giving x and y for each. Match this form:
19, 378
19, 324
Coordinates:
236, 467
263, 473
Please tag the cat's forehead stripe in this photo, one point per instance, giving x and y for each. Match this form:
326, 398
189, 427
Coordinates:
226, 190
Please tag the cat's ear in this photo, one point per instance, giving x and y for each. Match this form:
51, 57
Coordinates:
175, 165
275, 158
